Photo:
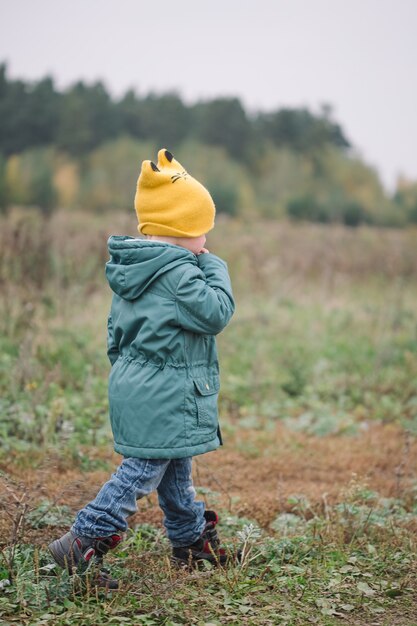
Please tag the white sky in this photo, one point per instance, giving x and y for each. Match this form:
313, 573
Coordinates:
358, 55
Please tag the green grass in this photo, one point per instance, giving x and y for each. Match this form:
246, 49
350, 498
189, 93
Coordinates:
325, 333
324, 370
357, 561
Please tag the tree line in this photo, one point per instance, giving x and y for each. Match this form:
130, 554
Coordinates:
82, 117
81, 148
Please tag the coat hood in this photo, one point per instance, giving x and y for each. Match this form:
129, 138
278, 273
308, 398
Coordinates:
136, 263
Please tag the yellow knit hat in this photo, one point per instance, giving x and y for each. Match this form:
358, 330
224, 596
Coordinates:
170, 202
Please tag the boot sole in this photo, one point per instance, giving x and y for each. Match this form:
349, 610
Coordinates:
191, 564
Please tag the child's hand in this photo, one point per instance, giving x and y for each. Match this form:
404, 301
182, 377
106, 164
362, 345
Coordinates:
203, 251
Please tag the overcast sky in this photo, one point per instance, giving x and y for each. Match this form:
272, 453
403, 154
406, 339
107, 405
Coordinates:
360, 56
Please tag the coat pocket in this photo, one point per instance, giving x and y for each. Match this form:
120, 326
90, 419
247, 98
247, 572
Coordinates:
206, 392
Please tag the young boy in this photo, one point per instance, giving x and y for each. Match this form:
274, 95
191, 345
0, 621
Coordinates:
171, 297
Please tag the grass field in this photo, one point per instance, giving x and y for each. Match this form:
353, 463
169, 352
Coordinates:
317, 479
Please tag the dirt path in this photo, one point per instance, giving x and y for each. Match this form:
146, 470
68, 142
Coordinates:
384, 458
252, 475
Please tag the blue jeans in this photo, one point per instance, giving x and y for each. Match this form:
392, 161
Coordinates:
134, 478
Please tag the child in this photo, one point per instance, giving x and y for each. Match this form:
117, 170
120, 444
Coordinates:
171, 296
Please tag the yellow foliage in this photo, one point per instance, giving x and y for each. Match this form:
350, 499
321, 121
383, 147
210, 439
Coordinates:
66, 180
408, 191
17, 190
356, 180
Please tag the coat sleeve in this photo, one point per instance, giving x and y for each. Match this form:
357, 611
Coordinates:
204, 298
112, 347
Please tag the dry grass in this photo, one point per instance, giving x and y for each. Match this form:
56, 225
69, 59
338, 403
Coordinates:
71, 245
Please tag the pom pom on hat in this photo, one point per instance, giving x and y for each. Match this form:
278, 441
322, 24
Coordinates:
170, 202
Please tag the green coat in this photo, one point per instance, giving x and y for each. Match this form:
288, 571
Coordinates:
164, 382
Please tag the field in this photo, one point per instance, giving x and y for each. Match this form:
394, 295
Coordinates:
317, 480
